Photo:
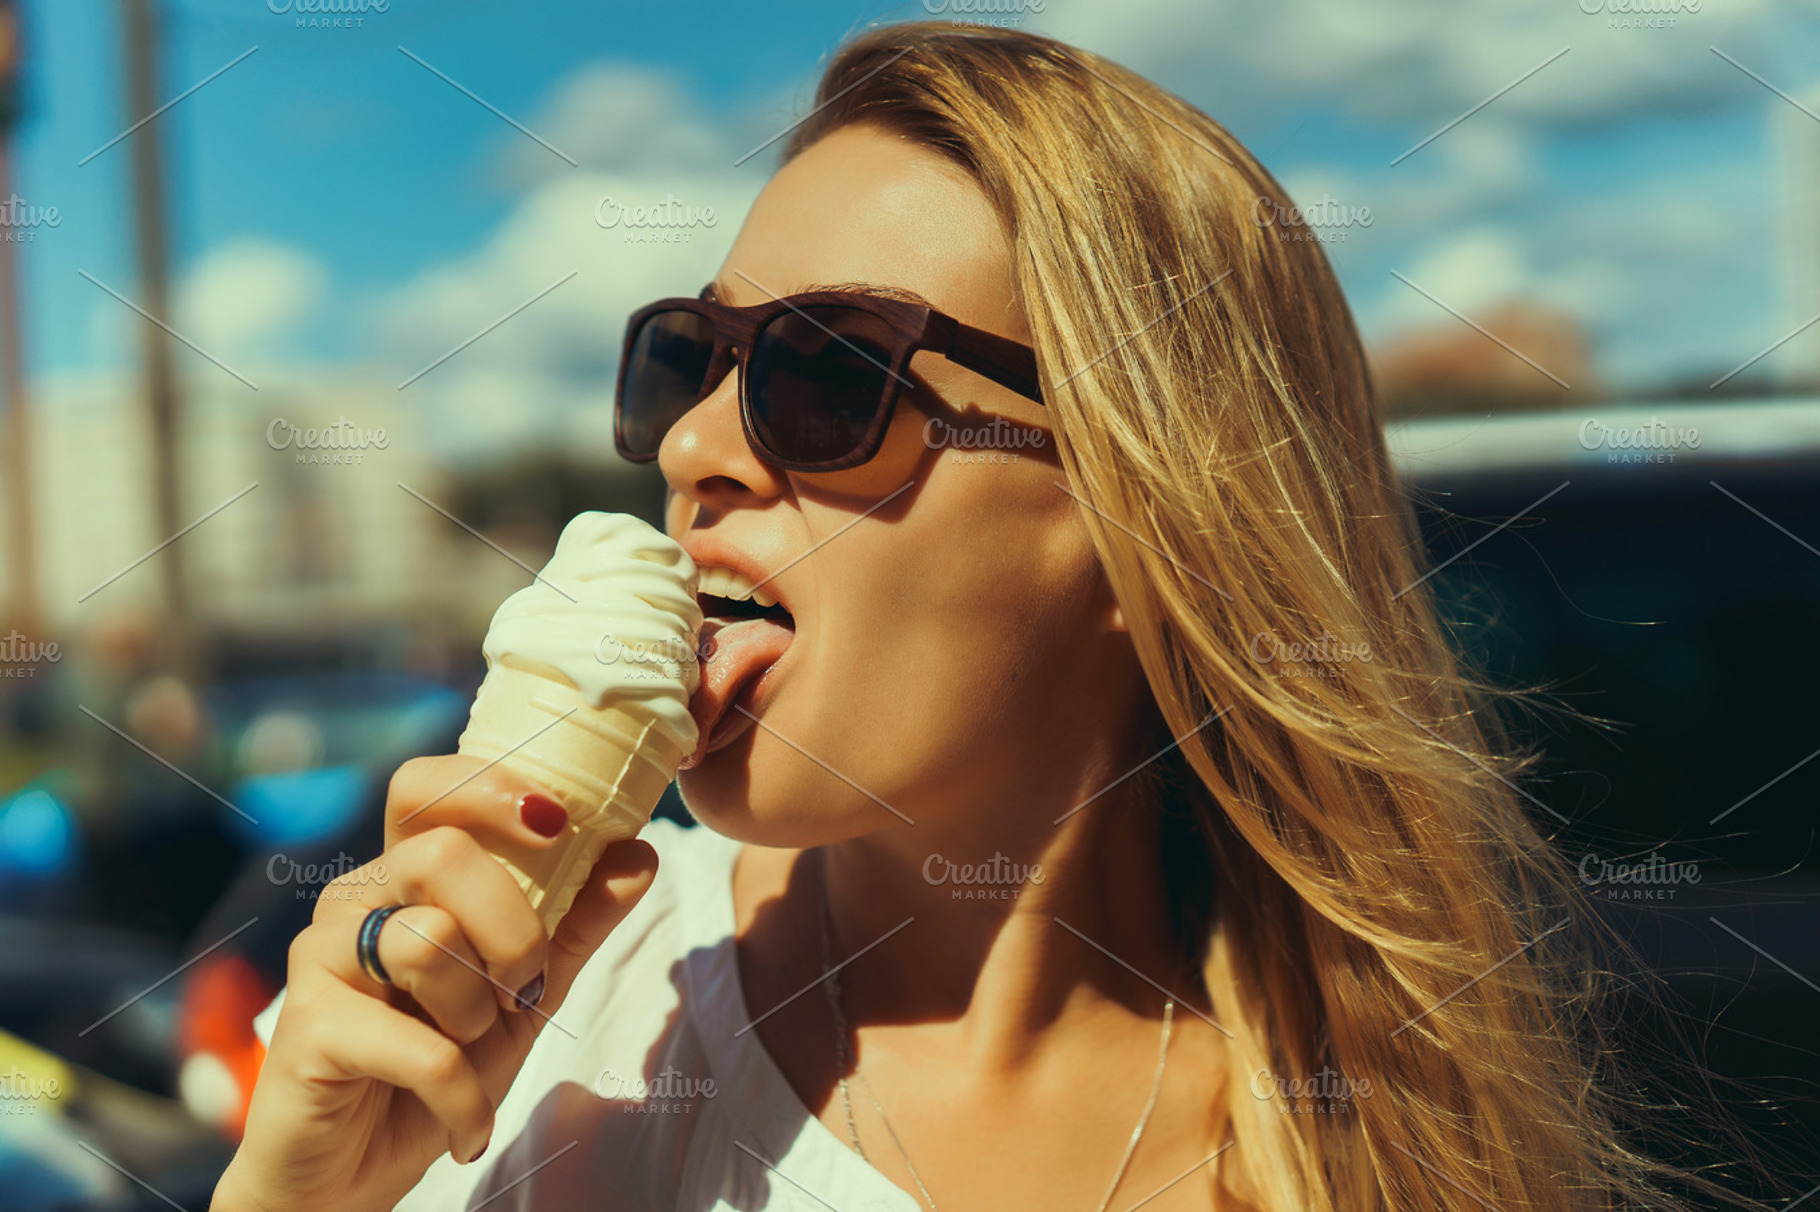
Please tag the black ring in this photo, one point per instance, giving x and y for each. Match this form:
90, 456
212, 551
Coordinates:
366, 943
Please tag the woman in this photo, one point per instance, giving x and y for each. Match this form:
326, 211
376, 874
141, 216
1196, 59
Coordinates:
1105, 743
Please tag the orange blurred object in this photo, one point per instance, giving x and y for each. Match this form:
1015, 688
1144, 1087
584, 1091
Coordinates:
221, 1054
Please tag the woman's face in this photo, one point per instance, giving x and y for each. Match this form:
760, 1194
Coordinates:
955, 648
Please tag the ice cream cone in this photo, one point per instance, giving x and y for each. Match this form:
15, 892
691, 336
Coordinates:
589, 672
608, 766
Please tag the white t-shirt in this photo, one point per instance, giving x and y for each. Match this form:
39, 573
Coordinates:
657, 1100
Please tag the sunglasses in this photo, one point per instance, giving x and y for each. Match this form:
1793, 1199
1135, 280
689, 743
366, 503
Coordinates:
819, 373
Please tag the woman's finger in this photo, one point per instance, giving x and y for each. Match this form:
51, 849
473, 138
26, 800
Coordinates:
448, 869
424, 955
424, 951
621, 877
472, 795
355, 1036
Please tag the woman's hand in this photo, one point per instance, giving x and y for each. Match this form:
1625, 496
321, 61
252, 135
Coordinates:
365, 1086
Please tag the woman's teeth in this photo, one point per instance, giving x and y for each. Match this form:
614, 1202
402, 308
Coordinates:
721, 582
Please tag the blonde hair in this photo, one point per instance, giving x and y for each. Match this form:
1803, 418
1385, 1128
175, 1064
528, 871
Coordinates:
1381, 907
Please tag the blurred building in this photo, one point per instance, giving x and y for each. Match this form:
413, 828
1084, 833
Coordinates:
1449, 367
1795, 143
314, 536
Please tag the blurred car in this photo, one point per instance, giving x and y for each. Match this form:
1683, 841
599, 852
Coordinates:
155, 1023
71, 1138
1658, 566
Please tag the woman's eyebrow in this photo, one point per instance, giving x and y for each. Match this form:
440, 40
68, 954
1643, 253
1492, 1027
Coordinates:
711, 292
900, 293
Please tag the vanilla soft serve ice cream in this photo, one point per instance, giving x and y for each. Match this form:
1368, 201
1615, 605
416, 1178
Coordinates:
614, 615
589, 673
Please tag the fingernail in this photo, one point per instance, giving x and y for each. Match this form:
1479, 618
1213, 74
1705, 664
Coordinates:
542, 815
479, 1153
531, 994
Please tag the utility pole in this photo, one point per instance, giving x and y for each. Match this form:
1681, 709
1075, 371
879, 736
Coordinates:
162, 402
15, 431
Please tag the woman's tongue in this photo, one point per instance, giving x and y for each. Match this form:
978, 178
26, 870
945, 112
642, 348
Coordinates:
740, 651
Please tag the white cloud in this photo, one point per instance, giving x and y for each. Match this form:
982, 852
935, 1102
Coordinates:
611, 116
1423, 61
544, 376
242, 298
1486, 213
1592, 185
1471, 271
1658, 271
1492, 166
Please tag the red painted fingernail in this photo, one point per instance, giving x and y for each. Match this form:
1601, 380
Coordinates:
481, 1153
542, 815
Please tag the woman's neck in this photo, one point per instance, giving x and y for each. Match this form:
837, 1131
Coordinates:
991, 935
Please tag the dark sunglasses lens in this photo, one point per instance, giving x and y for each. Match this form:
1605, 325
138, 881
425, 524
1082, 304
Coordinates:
663, 379
816, 380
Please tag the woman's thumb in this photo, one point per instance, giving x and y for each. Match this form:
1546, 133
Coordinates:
619, 881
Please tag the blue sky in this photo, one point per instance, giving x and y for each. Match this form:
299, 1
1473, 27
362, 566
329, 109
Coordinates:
333, 140
336, 204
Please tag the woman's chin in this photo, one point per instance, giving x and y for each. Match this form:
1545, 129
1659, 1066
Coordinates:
724, 794
720, 793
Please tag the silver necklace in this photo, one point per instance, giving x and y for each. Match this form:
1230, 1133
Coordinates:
849, 1063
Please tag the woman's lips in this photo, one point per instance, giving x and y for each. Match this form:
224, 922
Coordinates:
740, 653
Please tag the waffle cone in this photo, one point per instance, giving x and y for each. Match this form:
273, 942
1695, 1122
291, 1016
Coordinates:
607, 766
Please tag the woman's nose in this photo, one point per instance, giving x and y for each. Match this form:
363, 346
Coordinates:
706, 458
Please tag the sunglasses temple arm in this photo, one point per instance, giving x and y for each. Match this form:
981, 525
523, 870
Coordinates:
1004, 361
